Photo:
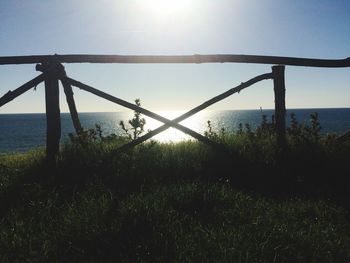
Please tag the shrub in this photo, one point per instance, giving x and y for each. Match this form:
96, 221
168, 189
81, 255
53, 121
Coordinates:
137, 124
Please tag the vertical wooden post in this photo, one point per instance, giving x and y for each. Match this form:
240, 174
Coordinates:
280, 105
53, 121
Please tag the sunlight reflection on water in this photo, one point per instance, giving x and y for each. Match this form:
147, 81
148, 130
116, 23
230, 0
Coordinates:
21, 132
196, 122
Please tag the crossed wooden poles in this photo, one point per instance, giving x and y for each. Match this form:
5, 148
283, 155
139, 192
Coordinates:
53, 71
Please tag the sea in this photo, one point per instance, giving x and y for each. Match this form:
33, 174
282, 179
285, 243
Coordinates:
23, 132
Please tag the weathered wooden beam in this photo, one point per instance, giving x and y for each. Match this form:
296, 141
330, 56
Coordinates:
197, 109
280, 104
141, 110
53, 118
19, 91
72, 108
216, 58
344, 137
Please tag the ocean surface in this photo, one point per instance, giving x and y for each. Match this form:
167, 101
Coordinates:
22, 132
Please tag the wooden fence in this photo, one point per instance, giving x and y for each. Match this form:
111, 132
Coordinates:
53, 71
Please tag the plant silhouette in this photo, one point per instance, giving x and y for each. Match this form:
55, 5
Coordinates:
137, 124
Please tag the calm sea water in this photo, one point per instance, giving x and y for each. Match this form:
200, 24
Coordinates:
21, 132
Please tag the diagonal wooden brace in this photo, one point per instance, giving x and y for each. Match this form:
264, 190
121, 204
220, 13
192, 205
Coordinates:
173, 123
197, 109
141, 110
11, 95
72, 108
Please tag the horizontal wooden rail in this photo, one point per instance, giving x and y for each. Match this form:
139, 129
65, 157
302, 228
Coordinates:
219, 58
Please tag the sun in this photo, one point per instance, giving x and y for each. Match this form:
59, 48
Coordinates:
164, 8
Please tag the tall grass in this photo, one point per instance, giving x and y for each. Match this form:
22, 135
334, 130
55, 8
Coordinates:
182, 202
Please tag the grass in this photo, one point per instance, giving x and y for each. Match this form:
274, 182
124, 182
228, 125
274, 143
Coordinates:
182, 202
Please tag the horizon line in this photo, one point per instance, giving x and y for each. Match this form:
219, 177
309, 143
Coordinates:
182, 110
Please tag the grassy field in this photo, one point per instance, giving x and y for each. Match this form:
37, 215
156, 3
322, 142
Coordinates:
182, 202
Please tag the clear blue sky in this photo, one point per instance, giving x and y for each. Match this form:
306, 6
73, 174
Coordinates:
313, 28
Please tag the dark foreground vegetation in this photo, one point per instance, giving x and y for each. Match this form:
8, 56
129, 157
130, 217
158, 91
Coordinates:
182, 202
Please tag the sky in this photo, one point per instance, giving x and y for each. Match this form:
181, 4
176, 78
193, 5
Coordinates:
313, 28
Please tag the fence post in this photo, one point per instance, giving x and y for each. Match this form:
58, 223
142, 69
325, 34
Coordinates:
52, 104
53, 132
280, 105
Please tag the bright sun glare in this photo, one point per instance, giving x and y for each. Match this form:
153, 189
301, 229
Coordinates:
168, 7
196, 122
